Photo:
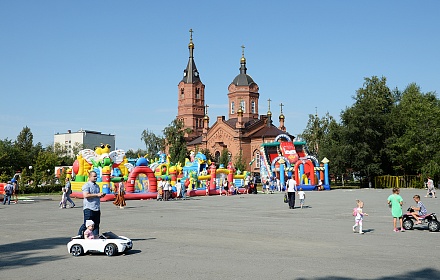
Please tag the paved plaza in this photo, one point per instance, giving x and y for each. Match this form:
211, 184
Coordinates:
217, 237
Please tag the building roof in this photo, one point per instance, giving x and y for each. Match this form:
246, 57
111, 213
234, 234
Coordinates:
270, 131
190, 74
195, 141
243, 79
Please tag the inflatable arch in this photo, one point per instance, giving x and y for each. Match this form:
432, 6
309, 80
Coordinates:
129, 186
284, 136
307, 167
283, 160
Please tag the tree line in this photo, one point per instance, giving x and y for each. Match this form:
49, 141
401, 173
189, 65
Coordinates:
385, 131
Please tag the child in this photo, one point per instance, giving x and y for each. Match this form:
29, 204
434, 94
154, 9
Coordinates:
420, 208
88, 234
359, 216
63, 198
395, 201
302, 196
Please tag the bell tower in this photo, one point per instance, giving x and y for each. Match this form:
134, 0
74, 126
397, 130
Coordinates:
191, 96
243, 94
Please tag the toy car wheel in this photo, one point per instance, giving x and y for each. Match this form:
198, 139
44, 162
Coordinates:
433, 226
408, 224
76, 250
110, 250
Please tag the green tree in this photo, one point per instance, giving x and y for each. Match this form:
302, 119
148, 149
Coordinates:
175, 141
414, 147
23, 147
7, 158
45, 166
366, 128
239, 163
153, 143
76, 147
225, 157
324, 139
138, 153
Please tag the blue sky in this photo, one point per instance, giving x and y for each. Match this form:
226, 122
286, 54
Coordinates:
114, 66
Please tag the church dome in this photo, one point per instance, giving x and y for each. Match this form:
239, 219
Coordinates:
243, 79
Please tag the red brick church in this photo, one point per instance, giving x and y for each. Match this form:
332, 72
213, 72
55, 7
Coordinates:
244, 129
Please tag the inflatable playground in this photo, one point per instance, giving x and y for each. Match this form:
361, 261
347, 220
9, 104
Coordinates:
143, 175
279, 159
285, 157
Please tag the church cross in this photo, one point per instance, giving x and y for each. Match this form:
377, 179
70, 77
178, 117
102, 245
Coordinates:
281, 105
269, 103
206, 109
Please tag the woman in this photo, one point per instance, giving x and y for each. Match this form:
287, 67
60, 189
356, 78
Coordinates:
120, 200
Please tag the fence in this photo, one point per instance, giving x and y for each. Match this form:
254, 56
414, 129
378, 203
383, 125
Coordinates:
407, 181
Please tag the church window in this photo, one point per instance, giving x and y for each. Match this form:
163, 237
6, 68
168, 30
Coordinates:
257, 159
253, 107
217, 156
182, 93
197, 93
232, 108
243, 106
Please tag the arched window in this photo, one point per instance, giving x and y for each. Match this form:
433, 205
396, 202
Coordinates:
217, 156
182, 93
243, 106
257, 159
197, 93
253, 107
232, 107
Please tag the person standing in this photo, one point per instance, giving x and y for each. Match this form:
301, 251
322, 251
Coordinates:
395, 201
120, 199
291, 192
63, 198
166, 190
92, 203
68, 188
15, 190
431, 188
7, 193
178, 186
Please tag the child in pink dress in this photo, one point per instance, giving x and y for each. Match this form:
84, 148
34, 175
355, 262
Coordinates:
359, 217
88, 234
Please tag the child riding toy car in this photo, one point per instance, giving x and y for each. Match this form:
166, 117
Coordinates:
429, 219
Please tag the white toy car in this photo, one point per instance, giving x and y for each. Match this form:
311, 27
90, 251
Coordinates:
108, 243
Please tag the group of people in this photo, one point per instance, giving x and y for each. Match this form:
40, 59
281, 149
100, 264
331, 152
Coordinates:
92, 213
165, 190
10, 191
272, 184
395, 202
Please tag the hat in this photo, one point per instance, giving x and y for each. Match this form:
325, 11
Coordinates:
13, 180
89, 223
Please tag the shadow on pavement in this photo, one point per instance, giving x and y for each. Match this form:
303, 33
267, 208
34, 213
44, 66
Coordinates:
427, 273
24, 253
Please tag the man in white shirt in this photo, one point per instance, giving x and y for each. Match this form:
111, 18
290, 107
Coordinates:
291, 192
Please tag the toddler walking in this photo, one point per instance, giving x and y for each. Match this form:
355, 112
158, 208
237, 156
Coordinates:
63, 198
302, 197
359, 216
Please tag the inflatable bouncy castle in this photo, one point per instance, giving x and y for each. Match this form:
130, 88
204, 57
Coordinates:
284, 158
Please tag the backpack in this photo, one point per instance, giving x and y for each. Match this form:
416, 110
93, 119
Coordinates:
355, 211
